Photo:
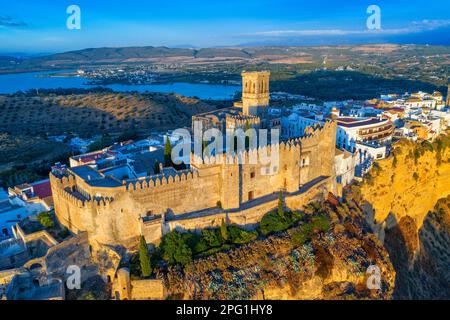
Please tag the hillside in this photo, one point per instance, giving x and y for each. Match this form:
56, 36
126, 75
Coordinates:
290, 265
96, 113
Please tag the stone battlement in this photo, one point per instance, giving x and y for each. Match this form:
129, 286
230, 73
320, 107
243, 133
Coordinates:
155, 181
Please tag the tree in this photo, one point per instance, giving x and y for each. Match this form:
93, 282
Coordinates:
167, 153
175, 250
280, 204
272, 222
156, 167
241, 236
223, 230
46, 220
129, 134
213, 237
104, 142
144, 258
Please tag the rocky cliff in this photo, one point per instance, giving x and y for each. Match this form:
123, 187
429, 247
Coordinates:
409, 183
406, 201
294, 264
421, 257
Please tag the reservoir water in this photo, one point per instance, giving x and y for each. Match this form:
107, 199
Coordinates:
11, 83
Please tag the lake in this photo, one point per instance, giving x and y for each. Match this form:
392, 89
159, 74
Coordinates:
11, 83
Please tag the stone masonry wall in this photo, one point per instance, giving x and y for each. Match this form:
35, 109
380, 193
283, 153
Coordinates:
114, 215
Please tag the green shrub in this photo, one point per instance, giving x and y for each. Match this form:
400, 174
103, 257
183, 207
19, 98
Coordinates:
304, 232
213, 237
296, 216
174, 249
135, 267
280, 204
314, 207
298, 236
104, 142
129, 134
46, 220
241, 236
272, 222
224, 230
156, 169
322, 223
167, 153
211, 251
195, 242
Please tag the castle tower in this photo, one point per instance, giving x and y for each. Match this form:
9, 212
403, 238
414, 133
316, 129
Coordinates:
255, 91
447, 102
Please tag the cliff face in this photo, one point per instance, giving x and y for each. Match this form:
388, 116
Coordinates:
408, 183
328, 265
399, 203
406, 201
421, 257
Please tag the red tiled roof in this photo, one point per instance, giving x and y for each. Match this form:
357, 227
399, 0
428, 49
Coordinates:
356, 122
395, 109
42, 189
91, 157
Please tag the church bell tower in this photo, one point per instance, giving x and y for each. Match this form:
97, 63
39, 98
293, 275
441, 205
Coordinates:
255, 92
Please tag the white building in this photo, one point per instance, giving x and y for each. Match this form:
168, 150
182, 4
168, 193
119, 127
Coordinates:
10, 214
352, 130
294, 125
366, 153
345, 163
22, 201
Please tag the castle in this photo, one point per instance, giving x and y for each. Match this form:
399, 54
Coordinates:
221, 187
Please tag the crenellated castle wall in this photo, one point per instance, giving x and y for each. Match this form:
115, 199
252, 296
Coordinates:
119, 215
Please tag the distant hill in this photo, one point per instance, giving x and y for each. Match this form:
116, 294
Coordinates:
94, 56
8, 62
415, 62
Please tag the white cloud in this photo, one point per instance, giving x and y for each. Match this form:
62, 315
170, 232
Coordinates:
414, 27
9, 22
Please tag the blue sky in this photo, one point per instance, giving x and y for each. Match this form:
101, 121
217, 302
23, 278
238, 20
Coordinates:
40, 26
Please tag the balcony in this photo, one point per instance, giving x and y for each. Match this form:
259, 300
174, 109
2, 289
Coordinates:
377, 133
